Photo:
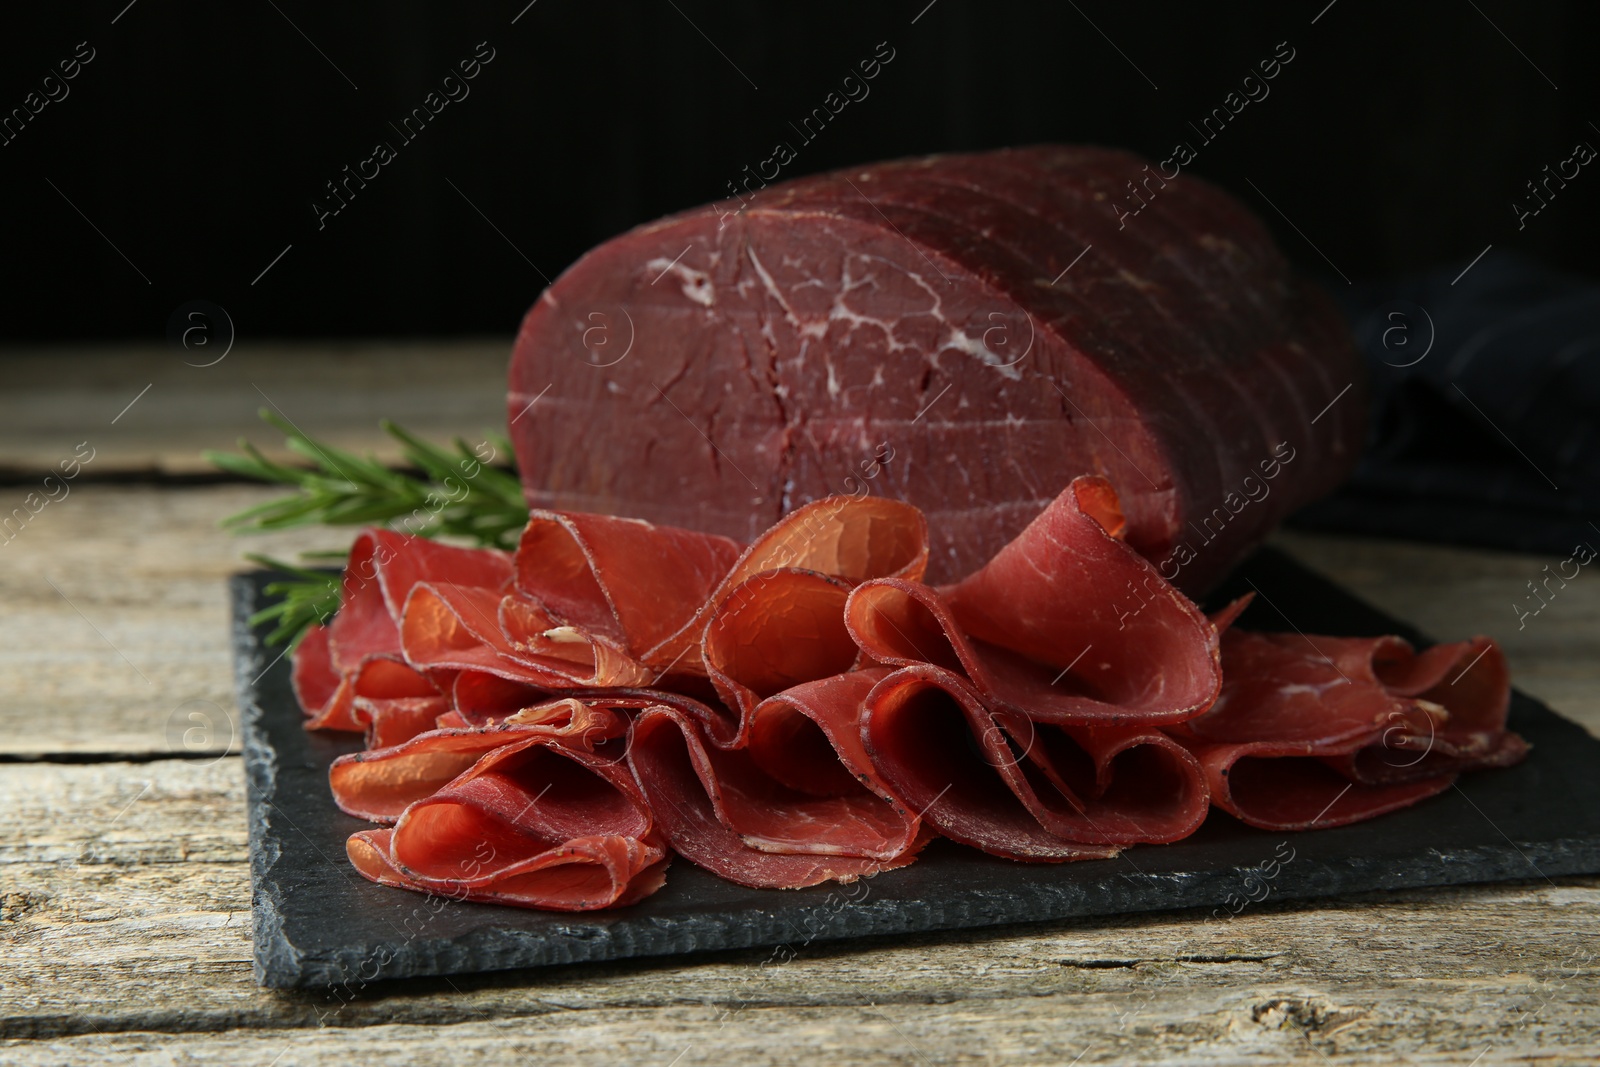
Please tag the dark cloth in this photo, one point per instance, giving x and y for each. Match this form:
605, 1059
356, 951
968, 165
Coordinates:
1486, 409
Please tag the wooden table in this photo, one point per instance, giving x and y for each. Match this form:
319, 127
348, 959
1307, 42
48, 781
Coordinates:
125, 919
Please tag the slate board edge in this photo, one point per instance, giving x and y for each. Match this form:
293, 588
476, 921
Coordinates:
281, 963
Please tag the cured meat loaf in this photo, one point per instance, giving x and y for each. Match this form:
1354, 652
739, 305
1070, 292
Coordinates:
970, 332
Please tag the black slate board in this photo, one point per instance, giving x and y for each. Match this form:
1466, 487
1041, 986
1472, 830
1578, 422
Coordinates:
318, 924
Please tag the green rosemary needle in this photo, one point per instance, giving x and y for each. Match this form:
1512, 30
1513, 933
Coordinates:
458, 494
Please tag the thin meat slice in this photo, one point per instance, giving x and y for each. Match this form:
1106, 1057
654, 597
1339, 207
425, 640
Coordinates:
396, 720
1123, 785
936, 745
323, 694
380, 677
808, 738
379, 785
515, 804
850, 538
624, 580
382, 569
1455, 699
717, 723
1275, 786
479, 698
720, 811
777, 630
1100, 620
449, 627
583, 874
1313, 731
379, 574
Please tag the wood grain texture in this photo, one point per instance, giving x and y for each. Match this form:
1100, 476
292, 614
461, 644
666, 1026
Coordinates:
115, 629
126, 896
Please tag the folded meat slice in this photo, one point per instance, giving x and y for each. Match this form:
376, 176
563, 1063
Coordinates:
535, 822
382, 569
849, 538
379, 785
379, 574
373, 682
583, 874
808, 737
1455, 699
1314, 731
934, 742
396, 720
456, 628
1058, 632
776, 630
479, 698
623, 580
1109, 640
722, 811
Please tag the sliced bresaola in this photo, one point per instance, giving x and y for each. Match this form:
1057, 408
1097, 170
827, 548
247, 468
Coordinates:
396, 720
379, 785
1314, 731
1455, 699
1021, 789
382, 569
534, 822
721, 811
1066, 624
623, 580
379, 574
478, 698
849, 538
808, 738
373, 681
776, 630
462, 628
583, 874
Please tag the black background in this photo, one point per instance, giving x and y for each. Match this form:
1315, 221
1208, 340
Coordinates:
200, 134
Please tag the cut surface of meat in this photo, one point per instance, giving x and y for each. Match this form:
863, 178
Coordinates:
966, 333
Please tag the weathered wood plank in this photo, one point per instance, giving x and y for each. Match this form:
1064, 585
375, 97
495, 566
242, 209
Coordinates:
53, 399
115, 629
144, 566
126, 895
1218, 1027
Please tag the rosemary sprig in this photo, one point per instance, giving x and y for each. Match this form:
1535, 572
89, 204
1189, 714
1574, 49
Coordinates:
313, 597
458, 495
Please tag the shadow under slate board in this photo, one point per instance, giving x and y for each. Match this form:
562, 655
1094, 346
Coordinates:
319, 924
